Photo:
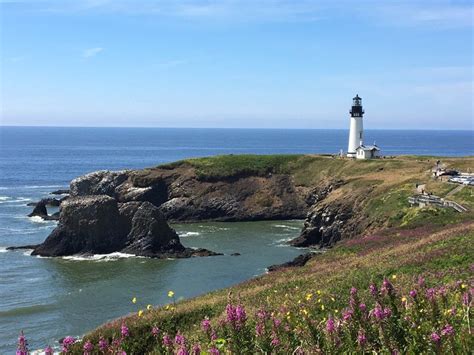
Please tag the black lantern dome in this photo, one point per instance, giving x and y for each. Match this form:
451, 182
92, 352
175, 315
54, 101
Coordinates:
357, 110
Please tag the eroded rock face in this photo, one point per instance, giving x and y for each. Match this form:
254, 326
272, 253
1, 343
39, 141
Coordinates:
102, 182
97, 224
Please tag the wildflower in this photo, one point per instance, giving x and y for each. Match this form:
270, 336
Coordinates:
213, 335
463, 286
276, 322
330, 326
240, 314
387, 287
394, 277
431, 293
149, 307
362, 307
206, 325
48, 350
435, 338
155, 331
309, 296
88, 347
103, 344
170, 294
275, 341
67, 342
448, 330
180, 339
413, 293
259, 328
377, 312
140, 312
421, 281
167, 341
134, 300
182, 351
404, 299
353, 291
347, 315
361, 338
387, 313
466, 298
22, 348
196, 350
262, 314
373, 290
213, 351
124, 330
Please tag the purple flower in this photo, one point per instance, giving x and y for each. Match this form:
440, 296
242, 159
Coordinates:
180, 339
213, 351
387, 313
353, 291
182, 351
275, 341
259, 328
466, 298
124, 330
374, 291
22, 348
330, 326
167, 341
361, 338
435, 338
67, 342
262, 314
48, 350
347, 315
213, 335
196, 349
276, 322
431, 293
448, 330
206, 325
387, 287
362, 307
421, 281
103, 344
155, 331
413, 293
88, 347
240, 314
230, 312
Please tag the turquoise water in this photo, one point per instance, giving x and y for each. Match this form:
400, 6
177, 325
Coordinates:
51, 298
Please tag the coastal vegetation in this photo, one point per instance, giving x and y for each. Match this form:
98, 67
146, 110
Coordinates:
398, 280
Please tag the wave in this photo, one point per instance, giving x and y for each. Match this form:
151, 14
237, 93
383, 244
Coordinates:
188, 234
3, 250
38, 219
8, 199
26, 310
101, 257
285, 226
41, 186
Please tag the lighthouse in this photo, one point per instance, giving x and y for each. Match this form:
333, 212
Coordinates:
356, 133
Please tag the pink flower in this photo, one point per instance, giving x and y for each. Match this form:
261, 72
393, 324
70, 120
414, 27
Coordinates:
276, 322
413, 293
67, 342
347, 315
196, 349
155, 331
240, 314
435, 338
213, 351
421, 281
180, 339
124, 330
353, 291
206, 325
22, 348
259, 328
275, 341
103, 344
182, 351
362, 307
431, 293
387, 287
361, 338
167, 341
448, 330
330, 326
374, 291
48, 350
387, 313
88, 347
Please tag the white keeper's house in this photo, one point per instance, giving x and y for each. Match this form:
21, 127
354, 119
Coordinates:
356, 148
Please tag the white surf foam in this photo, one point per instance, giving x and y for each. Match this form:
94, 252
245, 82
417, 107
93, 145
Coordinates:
285, 226
188, 234
4, 198
38, 219
3, 249
101, 257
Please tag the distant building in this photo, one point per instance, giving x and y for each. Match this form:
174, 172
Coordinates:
356, 147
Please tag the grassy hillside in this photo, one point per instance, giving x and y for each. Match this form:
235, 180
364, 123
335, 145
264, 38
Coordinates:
405, 288
318, 306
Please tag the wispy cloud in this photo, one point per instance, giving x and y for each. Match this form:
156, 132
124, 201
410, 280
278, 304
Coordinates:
91, 52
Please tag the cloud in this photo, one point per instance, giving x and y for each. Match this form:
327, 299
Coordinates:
91, 52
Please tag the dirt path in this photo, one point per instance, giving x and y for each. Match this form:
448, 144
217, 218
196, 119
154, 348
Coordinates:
457, 189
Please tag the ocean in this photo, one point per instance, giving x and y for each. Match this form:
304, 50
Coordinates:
50, 298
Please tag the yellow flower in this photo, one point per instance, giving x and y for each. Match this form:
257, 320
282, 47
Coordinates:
322, 307
140, 313
394, 277
318, 292
167, 307
305, 311
309, 296
463, 286
170, 294
319, 300
332, 299
149, 307
336, 311
134, 300
404, 299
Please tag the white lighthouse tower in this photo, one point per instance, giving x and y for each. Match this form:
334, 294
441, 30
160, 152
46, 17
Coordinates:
356, 133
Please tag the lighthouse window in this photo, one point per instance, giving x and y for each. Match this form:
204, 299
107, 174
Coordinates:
360, 135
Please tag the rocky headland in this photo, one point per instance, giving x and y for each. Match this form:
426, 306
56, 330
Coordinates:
129, 210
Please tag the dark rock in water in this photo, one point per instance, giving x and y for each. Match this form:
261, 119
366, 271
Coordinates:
299, 261
156, 193
89, 224
49, 201
102, 182
39, 210
23, 247
99, 225
150, 234
324, 225
60, 192
235, 254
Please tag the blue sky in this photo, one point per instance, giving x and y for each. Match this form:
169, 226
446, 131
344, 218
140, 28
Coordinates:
236, 63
